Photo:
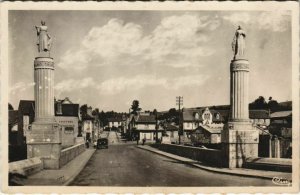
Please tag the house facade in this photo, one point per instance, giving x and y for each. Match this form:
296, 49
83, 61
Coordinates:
209, 121
170, 133
117, 123
144, 127
91, 126
67, 115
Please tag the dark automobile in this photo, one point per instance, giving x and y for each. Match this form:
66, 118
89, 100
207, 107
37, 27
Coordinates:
102, 143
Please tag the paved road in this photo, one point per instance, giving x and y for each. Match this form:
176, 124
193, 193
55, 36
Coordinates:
127, 165
113, 138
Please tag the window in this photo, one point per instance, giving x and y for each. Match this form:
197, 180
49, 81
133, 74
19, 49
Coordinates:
69, 129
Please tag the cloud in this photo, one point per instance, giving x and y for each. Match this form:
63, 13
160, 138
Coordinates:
238, 18
74, 84
118, 85
20, 87
118, 43
277, 21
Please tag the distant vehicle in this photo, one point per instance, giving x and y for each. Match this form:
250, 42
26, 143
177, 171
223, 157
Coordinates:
102, 143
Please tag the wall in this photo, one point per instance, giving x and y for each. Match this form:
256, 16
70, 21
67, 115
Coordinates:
215, 138
68, 135
190, 126
70, 153
150, 135
26, 167
210, 156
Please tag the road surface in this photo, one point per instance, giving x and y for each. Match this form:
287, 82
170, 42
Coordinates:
127, 165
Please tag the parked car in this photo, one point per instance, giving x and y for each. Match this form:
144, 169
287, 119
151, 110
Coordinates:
102, 143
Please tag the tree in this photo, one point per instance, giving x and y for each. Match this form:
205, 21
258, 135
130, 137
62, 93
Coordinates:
135, 107
273, 105
83, 110
154, 112
95, 112
259, 103
10, 107
103, 118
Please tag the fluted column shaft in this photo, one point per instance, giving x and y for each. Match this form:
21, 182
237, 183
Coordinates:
44, 89
239, 87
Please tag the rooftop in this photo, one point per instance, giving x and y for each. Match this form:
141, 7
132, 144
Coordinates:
146, 119
281, 114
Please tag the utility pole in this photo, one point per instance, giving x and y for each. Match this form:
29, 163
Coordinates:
156, 126
179, 102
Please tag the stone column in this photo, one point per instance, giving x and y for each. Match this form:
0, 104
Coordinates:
44, 137
44, 91
277, 147
239, 137
239, 82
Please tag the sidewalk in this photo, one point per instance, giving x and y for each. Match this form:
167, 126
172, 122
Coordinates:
63, 176
237, 171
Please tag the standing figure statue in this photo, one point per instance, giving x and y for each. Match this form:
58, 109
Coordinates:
238, 43
44, 40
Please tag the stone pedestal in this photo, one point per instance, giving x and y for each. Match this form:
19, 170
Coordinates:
43, 140
239, 138
44, 137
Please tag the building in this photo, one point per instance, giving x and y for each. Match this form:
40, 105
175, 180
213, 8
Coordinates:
211, 121
280, 129
91, 125
15, 149
170, 134
19, 122
117, 123
144, 127
207, 134
67, 115
26, 114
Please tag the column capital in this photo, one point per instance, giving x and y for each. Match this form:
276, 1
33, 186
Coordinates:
239, 65
43, 63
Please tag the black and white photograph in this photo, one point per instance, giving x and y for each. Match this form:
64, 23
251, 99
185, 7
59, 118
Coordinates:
154, 97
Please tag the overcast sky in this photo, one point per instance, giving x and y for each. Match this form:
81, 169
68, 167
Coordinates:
109, 58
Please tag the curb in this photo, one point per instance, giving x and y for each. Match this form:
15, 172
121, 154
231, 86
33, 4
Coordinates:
76, 173
206, 168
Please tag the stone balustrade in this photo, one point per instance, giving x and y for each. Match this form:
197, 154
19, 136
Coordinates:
26, 167
70, 153
210, 156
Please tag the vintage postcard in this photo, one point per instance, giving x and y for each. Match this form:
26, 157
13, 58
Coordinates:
150, 97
